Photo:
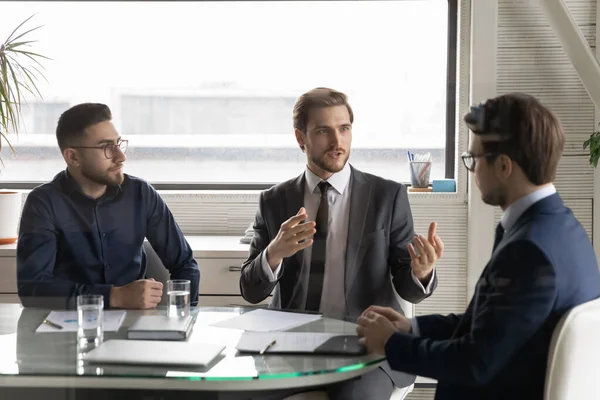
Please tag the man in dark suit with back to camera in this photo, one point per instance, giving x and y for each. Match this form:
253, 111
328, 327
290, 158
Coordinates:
542, 265
336, 240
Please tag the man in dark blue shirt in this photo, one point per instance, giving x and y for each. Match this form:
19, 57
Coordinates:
82, 233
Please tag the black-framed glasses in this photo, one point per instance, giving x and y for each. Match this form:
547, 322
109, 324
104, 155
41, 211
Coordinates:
110, 149
469, 159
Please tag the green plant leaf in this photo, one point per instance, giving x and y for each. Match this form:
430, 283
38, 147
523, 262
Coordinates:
19, 44
594, 145
19, 73
3, 136
11, 114
17, 28
31, 54
22, 34
16, 82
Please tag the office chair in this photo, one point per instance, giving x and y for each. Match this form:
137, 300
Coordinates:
574, 357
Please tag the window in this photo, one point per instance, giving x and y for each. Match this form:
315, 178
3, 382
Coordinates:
204, 91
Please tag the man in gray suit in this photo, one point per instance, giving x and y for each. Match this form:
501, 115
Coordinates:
336, 240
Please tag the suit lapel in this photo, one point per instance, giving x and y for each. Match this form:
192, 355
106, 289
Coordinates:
294, 200
359, 205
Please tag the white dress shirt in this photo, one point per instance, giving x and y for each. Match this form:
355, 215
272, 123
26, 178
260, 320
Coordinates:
509, 217
333, 299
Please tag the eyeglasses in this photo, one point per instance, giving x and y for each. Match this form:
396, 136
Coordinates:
469, 159
110, 149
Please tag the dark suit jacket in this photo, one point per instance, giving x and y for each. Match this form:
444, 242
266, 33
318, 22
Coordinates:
497, 349
377, 258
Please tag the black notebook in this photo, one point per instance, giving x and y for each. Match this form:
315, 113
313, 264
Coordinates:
300, 343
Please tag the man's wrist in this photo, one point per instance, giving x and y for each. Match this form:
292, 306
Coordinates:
272, 259
115, 301
424, 278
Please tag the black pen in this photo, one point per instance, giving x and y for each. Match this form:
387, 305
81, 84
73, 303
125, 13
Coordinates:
297, 311
52, 324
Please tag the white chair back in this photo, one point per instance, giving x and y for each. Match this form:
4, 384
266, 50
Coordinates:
573, 368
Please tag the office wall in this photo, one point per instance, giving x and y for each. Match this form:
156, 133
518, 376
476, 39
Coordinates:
531, 59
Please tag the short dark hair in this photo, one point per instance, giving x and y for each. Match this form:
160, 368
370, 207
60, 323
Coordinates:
73, 122
525, 130
318, 98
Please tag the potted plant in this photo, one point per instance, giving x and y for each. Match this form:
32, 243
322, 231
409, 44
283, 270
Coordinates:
20, 69
594, 144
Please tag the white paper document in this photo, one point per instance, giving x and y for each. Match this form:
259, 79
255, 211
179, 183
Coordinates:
111, 320
285, 342
267, 321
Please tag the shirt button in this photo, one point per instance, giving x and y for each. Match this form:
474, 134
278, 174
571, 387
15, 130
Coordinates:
104, 235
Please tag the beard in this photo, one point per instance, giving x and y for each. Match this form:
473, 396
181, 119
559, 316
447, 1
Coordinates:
328, 164
494, 197
108, 178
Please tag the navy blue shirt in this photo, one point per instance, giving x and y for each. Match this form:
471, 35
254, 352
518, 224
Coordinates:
70, 244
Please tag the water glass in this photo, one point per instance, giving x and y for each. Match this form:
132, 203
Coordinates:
90, 332
178, 292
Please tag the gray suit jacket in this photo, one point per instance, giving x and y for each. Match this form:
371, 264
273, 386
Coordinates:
377, 259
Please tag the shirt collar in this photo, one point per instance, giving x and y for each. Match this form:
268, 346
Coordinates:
339, 180
515, 210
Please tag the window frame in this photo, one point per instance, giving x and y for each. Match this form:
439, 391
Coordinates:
450, 148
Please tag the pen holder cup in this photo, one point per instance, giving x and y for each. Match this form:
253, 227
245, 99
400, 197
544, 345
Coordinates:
419, 173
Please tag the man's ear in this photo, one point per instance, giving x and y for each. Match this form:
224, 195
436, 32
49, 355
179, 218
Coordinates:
506, 165
300, 138
71, 157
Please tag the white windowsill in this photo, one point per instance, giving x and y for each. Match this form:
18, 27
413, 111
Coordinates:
252, 195
202, 246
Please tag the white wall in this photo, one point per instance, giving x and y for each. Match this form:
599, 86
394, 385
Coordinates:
531, 59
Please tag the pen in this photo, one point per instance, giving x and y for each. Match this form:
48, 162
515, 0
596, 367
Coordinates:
300, 311
267, 347
52, 324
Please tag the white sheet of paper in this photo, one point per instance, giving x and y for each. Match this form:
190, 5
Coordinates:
286, 341
267, 321
112, 320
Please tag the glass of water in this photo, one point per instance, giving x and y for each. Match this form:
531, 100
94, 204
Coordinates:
90, 332
178, 292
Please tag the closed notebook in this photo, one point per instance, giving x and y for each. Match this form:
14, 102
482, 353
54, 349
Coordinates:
145, 352
161, 327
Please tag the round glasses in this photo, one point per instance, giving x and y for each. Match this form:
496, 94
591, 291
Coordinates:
469, 159
110, 149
